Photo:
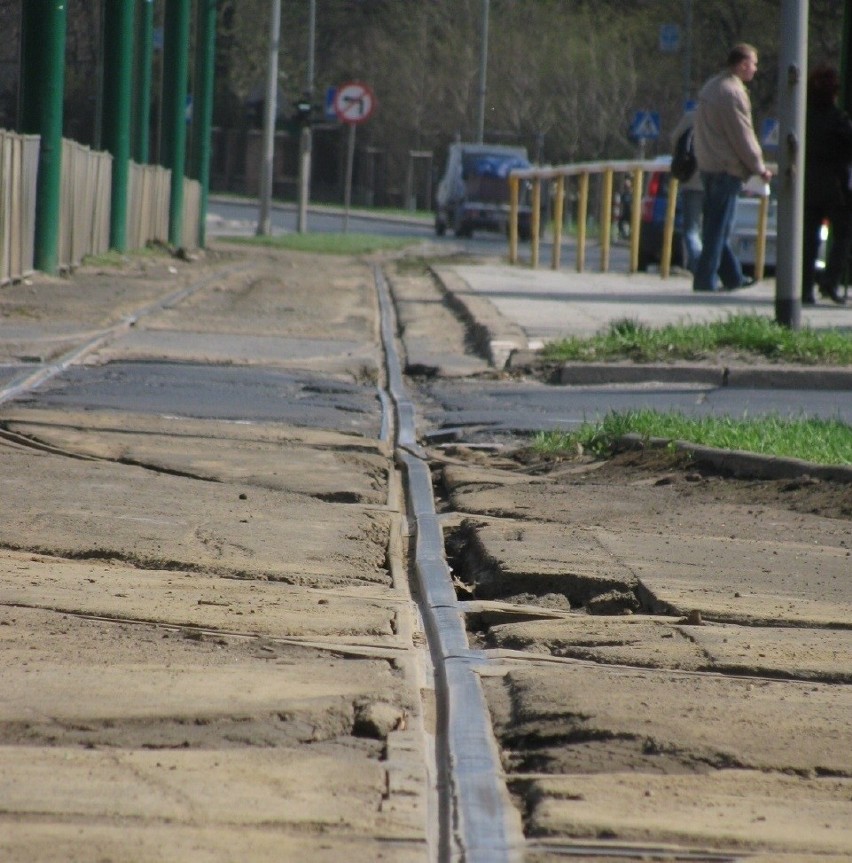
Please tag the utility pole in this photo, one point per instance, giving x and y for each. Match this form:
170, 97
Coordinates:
141, 102
117, 90
791, 161
42, 89
202, 106
175, 74
306, 137
270, 112
483, 70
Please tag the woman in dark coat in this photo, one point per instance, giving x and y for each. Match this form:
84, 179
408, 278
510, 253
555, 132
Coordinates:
828, 154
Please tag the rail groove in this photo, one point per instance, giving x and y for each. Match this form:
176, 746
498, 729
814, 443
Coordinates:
479, 824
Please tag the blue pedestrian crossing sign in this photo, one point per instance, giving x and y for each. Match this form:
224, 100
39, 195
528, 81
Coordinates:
770, 132
645, 126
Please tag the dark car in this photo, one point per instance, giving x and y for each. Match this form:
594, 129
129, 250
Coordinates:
474, 192
655, 200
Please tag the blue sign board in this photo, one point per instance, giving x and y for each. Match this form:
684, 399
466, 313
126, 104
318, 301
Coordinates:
645, 126
769, 133
330, 95
669, 38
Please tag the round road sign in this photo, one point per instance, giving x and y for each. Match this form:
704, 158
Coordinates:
354, 102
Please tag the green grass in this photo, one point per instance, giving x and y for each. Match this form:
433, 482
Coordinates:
749, 335
329, 244
112, 258
821, 441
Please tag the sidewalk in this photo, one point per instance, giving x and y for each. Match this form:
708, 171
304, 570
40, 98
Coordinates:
530, 308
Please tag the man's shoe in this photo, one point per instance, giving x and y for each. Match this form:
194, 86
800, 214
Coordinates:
705, 290
832, 294
748, 283
809, 300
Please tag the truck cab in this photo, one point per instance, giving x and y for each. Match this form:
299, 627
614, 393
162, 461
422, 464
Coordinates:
473, 193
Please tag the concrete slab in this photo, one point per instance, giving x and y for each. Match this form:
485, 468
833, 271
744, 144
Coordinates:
324, 465
661, 642
736, 810
174, 598
201, 789
729, 578
555, 717
329, 355
73, 508
56, 842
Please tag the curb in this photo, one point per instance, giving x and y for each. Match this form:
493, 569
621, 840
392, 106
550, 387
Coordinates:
496, 338
740, 463
743, 377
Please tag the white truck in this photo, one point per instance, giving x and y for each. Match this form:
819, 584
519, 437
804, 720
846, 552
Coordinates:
473, 193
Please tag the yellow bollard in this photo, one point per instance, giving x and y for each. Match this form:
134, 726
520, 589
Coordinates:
760, 242
582, 213
668, 229
635, 217
606, 219
558, 213
513, 219
535, 222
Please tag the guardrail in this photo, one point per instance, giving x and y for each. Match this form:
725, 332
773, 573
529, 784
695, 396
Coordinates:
581, 173
18, 173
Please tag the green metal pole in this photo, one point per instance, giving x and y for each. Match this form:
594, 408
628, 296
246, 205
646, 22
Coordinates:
175, 71
141, 103
202, 105
42, 91
118, 88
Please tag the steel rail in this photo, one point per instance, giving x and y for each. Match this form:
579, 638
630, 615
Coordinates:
478, 823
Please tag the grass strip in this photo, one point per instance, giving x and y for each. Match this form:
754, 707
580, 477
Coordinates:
328, 244
749, 334
822, 441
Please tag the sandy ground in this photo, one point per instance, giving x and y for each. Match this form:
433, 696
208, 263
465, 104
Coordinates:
209, 650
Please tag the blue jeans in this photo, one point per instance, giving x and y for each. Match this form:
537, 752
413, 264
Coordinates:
691, 204
717, 256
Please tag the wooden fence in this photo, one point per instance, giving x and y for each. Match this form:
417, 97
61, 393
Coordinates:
84, 205
18, 173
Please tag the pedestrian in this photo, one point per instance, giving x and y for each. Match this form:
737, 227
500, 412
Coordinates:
625, 205
691, 194
828, 154
728, 153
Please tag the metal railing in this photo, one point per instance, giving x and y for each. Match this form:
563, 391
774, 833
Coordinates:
18, 174
580, 174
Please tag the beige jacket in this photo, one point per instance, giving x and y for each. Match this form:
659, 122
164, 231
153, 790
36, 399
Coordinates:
724, 136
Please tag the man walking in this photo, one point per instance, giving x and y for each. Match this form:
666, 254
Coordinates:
728, 153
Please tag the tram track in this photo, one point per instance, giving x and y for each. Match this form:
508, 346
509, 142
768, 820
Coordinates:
478, 814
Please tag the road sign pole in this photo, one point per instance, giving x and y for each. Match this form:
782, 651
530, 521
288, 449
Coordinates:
347, 192
791, 77
270, 111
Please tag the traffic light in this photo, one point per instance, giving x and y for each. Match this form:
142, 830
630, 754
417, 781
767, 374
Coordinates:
304, 111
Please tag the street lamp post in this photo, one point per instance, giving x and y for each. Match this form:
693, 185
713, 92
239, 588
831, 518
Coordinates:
270, 112
483, 68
